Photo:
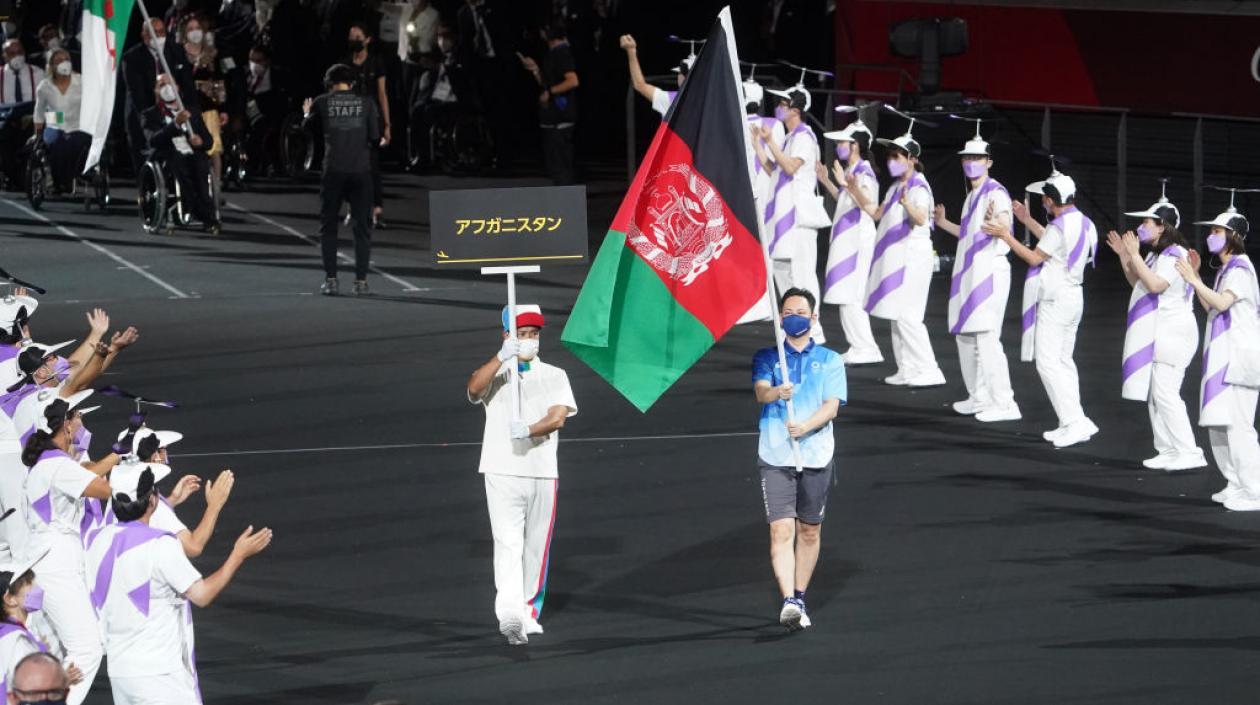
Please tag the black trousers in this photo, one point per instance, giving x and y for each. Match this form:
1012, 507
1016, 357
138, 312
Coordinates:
558, 154
355, 189
193, 172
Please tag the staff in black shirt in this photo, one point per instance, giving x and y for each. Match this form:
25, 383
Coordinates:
351, 130
557, 103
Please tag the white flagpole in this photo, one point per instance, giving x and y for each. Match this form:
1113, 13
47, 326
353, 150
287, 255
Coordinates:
725, 18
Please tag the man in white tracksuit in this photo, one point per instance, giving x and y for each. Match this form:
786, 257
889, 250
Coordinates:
979, 288
518, 460
790, 165
1066, 245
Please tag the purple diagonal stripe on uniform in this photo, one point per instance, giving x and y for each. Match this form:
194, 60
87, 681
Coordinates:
955, 284
781, 228
886, 287
1137, 361
140, 597
843, 268
845, 222
1079, 248
1142, 307
9, 402
1030, 317
43, 508
1220, 324
892, 236
129, 536
1213, 386
978, 296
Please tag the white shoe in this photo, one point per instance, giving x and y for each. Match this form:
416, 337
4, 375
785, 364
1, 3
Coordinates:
791, 614
532, 626
967, 407
862, 357
1186, 461
934, 378
1075, 433
1231, 490
513, 629
1052, 434
999, 413
1242, 502
897, 380
806, 623
1159, 462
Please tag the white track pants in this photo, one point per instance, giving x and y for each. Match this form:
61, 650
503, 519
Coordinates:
522, 516
985, 371
801, 271
175, 688
1057, 321
68, 609
1170, 424
857, 330
912, 348
1235, 447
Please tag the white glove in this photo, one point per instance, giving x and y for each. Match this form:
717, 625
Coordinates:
511, 348
520, 430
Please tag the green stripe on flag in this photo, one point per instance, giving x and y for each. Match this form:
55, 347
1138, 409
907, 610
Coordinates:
629, 328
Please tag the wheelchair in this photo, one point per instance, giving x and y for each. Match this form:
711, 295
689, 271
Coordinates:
161, 199
460, 143
39, 178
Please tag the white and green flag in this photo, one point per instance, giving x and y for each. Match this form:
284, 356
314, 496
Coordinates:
104, 32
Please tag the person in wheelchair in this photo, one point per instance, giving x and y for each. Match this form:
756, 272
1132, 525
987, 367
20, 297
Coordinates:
179, 139
264, 106
436, 98
57, 100
18, 80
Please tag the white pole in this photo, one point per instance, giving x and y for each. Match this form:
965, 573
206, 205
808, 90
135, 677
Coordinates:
514, 373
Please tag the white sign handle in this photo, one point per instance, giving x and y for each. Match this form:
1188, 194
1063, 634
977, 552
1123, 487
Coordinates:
514, 377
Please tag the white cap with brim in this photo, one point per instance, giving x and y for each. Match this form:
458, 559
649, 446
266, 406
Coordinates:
12, 306
794, 95
753, 92
1230, 220
72, 402
18, 567
165, 439
1163, 210
905, 143
125, 477
976, 148
1059, 187
849, 133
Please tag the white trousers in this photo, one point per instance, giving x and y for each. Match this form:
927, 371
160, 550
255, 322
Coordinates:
1234, 447
857, 330
175, 688
1170, 424
985, 371
68, 609
1057, 321
13, 531
522, 516
801, 271
911, 346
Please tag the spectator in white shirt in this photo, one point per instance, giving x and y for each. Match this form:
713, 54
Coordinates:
57, 100
19, 78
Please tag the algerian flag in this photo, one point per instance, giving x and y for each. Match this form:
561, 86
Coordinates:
104, 32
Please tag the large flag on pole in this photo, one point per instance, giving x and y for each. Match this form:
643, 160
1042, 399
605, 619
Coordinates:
682, 261
104, 32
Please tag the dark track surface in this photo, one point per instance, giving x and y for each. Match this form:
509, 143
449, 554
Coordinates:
962, 563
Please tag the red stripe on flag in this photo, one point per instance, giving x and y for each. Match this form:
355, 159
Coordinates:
680, 224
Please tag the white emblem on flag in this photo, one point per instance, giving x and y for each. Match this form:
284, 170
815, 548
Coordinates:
684, 229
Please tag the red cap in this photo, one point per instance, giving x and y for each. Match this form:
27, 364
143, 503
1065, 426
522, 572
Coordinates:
529, 318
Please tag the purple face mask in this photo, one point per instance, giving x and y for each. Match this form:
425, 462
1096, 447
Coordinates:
34, 599
1216, 243
843, 150
781, 113
61, 368
1146, 233
974, 169
897, 168
82, 438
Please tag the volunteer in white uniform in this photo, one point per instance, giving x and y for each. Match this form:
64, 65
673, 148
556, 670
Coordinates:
1161, 334
1231, 360
852, 240
22, 598
518, 459
790, 166
979, 288
55, 491
1066, 245
902, 262
659, 98
141, 586
15, 313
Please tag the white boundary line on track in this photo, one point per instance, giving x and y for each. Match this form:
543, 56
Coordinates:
406, 285
99, 248
462, 444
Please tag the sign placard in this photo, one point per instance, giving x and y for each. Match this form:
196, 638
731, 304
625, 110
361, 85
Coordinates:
506, 226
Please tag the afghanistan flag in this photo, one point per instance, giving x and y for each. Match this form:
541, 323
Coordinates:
682, 261
104, 31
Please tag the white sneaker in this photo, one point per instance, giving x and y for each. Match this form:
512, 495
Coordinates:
1075, 433
934, 378
1052, 434
1242, 502
1186, 461
1229, 492
897, 380
862, 357
513, 629
1009, 412
806, 623
967, 407
532, 626
1159, 462
791, 614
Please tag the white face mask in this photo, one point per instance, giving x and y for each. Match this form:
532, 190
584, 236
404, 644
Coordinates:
159, 43
54, 44
64, 68
195, 36
529, 349
168, 93
17, 63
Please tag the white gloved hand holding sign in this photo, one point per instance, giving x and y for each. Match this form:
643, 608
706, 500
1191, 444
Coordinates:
520, 430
